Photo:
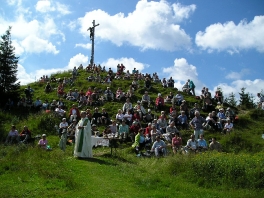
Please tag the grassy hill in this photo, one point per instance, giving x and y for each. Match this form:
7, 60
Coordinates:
27, 171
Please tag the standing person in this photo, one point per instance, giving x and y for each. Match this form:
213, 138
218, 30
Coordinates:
191, 86
197, 124
83, 146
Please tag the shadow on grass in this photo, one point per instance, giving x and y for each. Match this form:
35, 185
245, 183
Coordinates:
96, 160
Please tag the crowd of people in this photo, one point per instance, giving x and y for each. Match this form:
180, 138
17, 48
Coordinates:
136, 123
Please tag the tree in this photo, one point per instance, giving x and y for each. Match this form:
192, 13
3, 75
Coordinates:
231, 100
246, 100
9, 86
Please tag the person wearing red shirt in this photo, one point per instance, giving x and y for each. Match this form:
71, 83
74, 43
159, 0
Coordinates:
159, 103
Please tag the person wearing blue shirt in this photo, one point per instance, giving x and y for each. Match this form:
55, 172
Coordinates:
202, 144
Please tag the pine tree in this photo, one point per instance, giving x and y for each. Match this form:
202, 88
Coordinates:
231, 100
246, 100
8, 68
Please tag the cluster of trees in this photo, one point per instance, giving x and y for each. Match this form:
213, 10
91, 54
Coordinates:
9, 85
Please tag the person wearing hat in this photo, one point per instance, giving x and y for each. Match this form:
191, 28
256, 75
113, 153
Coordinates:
43, 143
219, 106
63, 126
83, 144
228, 126
221, 117
159, 102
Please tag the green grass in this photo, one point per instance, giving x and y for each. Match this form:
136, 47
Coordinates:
27, 171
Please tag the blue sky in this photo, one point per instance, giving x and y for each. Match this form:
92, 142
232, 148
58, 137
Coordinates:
214, 43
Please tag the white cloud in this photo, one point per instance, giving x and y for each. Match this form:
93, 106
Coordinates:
85, 46
77, 60
252, 86
44, 6
181, 71
129, 63
237, 75
50, 6
233, 38
152, 25
33, 44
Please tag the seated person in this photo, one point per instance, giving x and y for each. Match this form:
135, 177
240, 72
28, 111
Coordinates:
48, 88
214, 145
107, 131
159, 103
119, 116
140, 141
108, 94
119, 94
95, 131
13, 136
202, 144
176, 142
60, 112
133, 130
218, 96
203, 94
228, 127
207, 93
230, 114
127, 75
192, 111
74, 113
211, 122
123, 130
169, 98
108, 79
38, 104
25, 135
128, 116
145, 99
127, 106
91, 78
171, 130
207, 103
184, 107
140, 109
162, 122
185, 88
113, 127
148, 117
97, 116
105, 117
159, 147
148, 129
221, 116
60, 90
53, 105
177, 99
192, 145
130, 92
147, 83
171, 82
45, 105
43, 143
29, 92
219, 106
135, 84
183, 120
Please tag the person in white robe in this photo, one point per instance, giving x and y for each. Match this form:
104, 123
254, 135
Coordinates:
83, 144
